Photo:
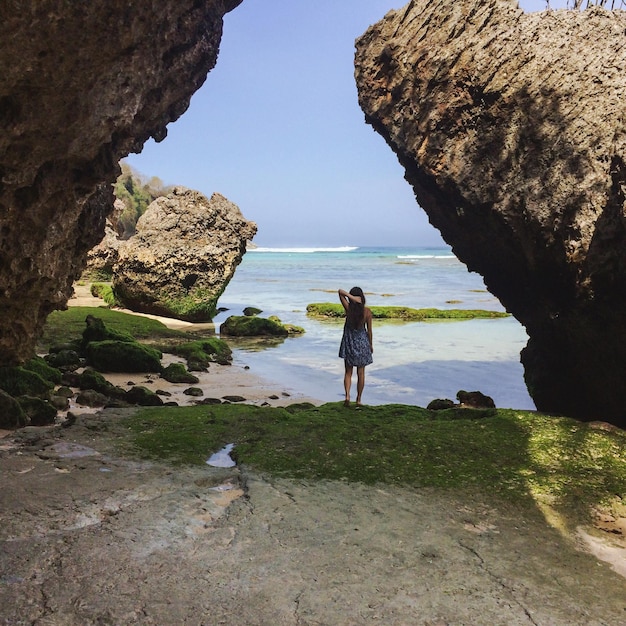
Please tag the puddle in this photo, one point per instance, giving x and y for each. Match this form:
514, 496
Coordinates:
222, 458
224, 487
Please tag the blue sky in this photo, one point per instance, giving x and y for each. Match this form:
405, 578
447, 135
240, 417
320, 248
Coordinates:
277, 129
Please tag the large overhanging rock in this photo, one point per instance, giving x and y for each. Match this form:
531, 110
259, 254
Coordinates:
183, 256
510, 127
82, 85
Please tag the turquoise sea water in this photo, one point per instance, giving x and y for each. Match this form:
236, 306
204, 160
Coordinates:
413, 362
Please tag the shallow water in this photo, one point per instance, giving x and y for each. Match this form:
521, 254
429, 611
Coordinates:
415, 362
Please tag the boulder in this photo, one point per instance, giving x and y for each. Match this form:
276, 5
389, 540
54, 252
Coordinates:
82, 85
510, 130
38, 411
123, 356
102, 257
242, 326
183, 255
475, 400
143, 396
11, 413
201, 353
18, 381
177, 373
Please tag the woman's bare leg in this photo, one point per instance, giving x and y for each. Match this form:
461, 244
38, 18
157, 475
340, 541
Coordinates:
360, 383
347, 381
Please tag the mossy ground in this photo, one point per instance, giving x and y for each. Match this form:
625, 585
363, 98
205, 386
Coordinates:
517, 456
68, 326
333, 310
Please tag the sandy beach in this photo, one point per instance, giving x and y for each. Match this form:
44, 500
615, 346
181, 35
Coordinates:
220, 381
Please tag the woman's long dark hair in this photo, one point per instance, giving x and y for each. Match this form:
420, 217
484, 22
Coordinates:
356, 310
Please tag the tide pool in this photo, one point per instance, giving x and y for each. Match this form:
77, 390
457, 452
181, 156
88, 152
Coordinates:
414, 363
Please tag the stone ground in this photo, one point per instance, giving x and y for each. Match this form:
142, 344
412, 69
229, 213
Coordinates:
91, 536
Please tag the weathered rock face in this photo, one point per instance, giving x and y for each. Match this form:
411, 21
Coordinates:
510, 127
82, 85
184, 254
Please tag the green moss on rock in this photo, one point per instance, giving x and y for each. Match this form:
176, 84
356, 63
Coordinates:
199, 354
97, 331
242, 326
11, 413
38, 411
143, 396
123, 356
18, 381
105, 292
38, 365
177, 373
333, 310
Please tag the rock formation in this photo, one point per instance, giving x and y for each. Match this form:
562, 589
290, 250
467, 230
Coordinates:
184, 254
82, 85
510, 127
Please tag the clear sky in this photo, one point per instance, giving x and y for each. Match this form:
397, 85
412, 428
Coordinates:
277, 129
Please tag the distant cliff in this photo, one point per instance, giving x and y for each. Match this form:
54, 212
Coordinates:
82, 85
511, 130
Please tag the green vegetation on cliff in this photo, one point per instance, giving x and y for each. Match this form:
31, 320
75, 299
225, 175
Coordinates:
333, 310
136, 192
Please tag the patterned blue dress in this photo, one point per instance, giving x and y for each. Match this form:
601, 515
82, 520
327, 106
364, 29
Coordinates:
355, 347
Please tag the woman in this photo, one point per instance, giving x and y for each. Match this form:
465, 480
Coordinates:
356, 344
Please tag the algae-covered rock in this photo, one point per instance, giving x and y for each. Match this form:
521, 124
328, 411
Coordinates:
475, 399
59, 402
290, 328
143, 396
97, 331
177, 373
65, 359
91, 398
464, 413
39, 411
11, 413
123, 356
91, 379
334, 310
199, 354
18, 381
251, 311
38, 365
440, 404
242, 326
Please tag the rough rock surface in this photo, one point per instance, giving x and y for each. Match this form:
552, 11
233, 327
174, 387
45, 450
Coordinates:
92, 536
184, 254
102, 258
510, 127
82, 85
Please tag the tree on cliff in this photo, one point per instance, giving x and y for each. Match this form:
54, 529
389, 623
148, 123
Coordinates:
136, 193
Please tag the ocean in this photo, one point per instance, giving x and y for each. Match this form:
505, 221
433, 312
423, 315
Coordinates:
414, 362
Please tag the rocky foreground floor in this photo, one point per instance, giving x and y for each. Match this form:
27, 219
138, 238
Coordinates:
90, 535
